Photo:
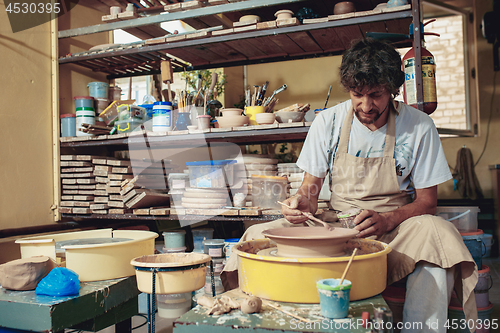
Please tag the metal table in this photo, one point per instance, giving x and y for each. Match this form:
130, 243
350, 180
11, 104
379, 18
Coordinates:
269, 319
100, 304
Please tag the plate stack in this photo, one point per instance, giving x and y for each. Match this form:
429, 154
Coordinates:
255, 164
205, 198
294, 175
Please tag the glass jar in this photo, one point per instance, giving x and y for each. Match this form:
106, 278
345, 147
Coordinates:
183, 121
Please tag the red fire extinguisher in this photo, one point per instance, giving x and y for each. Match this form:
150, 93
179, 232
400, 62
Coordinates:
428, 76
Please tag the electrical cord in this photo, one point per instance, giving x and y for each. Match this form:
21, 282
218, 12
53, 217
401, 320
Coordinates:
489, 119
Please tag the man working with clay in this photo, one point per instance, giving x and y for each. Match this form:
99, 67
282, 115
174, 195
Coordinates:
385, 158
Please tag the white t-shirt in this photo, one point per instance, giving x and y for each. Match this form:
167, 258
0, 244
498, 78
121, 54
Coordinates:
418, 152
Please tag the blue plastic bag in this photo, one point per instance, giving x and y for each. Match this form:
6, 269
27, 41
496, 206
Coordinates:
59, 282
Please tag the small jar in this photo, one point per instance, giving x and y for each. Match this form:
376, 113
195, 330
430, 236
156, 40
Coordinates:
162, 116
203, 121
68, 124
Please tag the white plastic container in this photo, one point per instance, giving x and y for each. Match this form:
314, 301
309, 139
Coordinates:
84, 115
162, 116
173, 305
466, 223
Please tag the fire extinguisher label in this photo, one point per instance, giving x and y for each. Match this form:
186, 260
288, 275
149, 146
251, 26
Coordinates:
428, 80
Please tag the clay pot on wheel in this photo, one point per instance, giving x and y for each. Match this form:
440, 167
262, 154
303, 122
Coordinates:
344, 7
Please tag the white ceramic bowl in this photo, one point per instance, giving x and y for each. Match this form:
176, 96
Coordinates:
265, 118
289, 116
231, 112
232, 121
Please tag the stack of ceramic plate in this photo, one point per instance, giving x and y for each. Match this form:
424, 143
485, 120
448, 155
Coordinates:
294, 175
205, 198
255, 164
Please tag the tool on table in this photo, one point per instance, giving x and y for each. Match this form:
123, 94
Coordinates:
348, 265
167, 76
277, 91
310, 216
328, 96
287, 312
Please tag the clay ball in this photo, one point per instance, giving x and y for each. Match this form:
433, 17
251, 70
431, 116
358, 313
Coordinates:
251, 304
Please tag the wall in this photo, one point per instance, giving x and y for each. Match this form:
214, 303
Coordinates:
26, 175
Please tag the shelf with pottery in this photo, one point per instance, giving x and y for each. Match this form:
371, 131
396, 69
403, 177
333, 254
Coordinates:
248, 42
253, 134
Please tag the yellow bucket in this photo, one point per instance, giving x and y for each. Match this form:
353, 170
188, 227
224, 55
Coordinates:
294, 279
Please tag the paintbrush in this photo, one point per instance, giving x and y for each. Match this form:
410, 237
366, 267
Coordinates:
328, 96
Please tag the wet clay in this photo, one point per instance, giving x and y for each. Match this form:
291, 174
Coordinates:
310, 242
251, 304
218, 306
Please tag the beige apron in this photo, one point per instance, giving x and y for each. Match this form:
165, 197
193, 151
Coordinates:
372, 184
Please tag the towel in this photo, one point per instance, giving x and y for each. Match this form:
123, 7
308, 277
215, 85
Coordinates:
464, 176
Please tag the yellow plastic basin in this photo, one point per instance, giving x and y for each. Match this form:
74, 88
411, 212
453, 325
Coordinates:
176, 273
294, 279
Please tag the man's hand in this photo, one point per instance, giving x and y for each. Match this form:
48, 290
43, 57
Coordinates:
298, 204
370, 223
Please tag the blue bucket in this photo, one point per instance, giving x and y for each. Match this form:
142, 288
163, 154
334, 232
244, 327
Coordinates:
334, 298
98, 89
475, 245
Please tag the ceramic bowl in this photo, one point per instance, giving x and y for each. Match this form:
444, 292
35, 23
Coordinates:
265, 118
232, 121
283, 14
230, 112
246, 18
192, 127
344, 7
289, 116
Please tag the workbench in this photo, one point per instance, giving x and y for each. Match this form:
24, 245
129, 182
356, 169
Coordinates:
270, 319
99, 304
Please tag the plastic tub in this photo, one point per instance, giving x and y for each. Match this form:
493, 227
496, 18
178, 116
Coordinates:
178, 180
84, 115
456, 314
268, 190
488, 242
228, 245
115, 93
214, 248
68, 124
199, 235
126, 126
174, 239
84, 102
173, 305
484, 282
211, 174
475, 245
98, 89
466, 223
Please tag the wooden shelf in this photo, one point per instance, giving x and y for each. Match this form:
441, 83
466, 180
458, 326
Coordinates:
292, 134
263, 218
209, 50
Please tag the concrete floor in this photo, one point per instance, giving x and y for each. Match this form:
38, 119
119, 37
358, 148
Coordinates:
163, 325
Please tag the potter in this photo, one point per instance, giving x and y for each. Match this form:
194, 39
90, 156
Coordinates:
372, 131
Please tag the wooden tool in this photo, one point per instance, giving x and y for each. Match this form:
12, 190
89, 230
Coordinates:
287, 312
310, 217
167, 76
347, 267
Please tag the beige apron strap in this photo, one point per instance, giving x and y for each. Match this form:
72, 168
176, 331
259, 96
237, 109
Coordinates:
345, 132
390, 135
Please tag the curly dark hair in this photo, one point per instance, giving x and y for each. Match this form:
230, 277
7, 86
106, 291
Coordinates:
369, 63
